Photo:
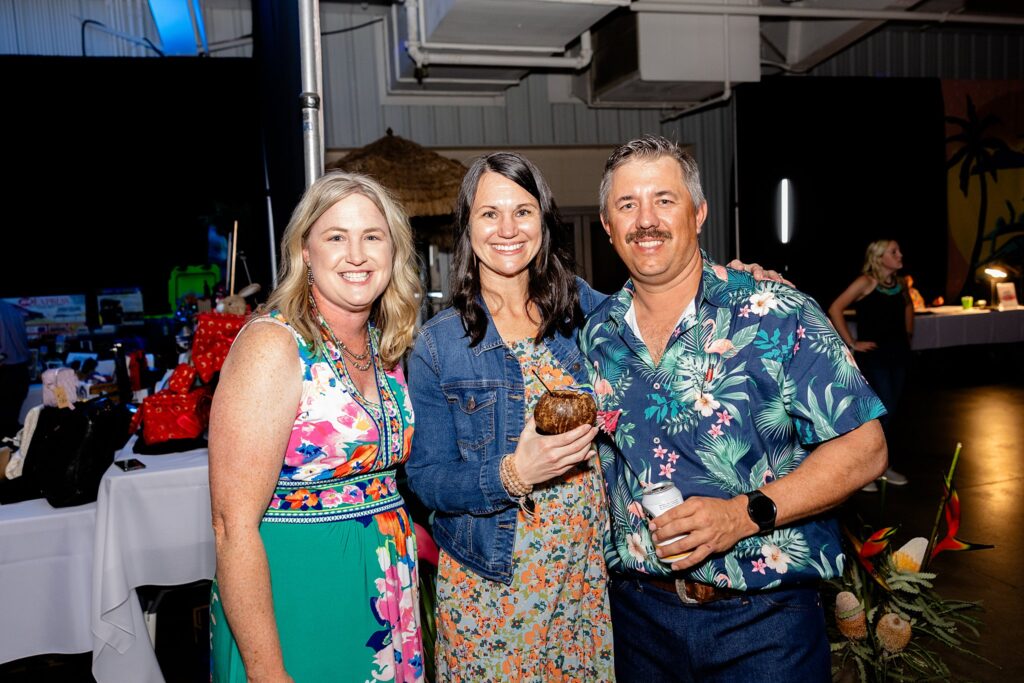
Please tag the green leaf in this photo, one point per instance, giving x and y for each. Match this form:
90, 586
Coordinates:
735, 574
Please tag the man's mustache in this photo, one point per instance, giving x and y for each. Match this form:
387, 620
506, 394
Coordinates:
647, 234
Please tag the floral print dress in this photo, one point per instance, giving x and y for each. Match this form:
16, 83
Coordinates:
552, 623
339, 542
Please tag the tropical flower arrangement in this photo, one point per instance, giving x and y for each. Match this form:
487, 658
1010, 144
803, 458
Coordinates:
888, 617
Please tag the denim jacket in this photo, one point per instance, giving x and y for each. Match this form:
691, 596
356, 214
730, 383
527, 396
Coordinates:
469, 414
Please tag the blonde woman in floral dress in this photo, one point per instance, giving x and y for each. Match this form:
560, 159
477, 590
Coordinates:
316, 561
520, 516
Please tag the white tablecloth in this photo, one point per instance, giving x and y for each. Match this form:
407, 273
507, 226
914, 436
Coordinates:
953, 326
152, 528
46, 557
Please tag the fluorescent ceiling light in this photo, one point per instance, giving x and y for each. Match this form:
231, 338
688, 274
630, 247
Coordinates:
787, 205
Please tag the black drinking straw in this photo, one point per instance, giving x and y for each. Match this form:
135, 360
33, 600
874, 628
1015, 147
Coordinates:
542, 381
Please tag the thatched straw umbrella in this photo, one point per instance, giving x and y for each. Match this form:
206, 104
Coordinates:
425, 182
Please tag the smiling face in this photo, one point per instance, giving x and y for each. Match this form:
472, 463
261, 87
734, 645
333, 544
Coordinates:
505, 228
652, 222
350, 250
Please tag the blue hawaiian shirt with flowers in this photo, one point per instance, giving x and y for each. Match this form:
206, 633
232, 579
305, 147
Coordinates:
750, 380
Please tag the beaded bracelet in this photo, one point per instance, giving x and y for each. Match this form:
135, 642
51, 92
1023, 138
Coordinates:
514, 475
510, 478
515, 486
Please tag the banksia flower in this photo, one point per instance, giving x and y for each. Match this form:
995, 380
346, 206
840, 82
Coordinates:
910, 557
850, 616
893, 632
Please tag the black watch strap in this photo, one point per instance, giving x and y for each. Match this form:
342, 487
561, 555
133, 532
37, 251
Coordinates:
762, 511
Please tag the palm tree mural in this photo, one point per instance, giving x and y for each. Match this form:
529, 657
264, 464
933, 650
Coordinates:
981, 155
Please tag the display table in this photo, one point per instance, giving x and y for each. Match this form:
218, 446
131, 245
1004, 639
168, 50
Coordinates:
46, 558
153, 527
953, 326
945, 326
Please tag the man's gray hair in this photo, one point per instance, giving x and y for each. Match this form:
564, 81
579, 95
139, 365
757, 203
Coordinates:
651, 148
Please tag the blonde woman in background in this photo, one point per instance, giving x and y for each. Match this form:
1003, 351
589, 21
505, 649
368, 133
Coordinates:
885, 324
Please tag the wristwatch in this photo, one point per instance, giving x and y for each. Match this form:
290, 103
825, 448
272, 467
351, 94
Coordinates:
762, 511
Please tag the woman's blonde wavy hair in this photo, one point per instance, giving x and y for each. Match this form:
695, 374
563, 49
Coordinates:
395, 311
873, 259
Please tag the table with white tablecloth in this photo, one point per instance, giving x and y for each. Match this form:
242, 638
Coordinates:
68, 576
46, 558
152, 528
945, 326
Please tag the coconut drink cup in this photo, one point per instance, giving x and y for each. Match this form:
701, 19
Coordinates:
561, 410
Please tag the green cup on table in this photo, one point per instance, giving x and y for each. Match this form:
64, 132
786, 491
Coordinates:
967, 302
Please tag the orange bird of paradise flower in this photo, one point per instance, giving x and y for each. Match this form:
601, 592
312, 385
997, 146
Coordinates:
950, 541
875, 544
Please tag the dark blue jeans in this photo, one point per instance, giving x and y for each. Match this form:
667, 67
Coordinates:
772, 637
886, 373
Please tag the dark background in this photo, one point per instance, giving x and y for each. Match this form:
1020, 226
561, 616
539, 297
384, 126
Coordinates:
866, 157
114, 169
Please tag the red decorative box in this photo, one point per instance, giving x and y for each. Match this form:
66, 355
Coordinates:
167, 415
212, 341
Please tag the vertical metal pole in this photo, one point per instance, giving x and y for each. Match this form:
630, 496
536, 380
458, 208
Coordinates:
312, 86
734, 111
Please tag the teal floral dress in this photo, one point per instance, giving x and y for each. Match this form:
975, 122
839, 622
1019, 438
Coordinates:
553, 622
338, 539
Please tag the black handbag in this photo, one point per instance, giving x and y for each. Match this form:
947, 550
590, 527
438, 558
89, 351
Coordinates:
71, 449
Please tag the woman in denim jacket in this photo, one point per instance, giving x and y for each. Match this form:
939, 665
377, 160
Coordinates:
520, 516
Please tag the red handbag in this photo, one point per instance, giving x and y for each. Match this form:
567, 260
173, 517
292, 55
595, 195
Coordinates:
167, 416
212, 341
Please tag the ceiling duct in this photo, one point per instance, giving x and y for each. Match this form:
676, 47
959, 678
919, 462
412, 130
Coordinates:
667, 60
482, 47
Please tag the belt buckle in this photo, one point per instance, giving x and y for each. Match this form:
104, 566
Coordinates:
696, 593
683, 593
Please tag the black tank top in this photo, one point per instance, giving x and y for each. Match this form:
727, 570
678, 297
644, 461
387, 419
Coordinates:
880, 318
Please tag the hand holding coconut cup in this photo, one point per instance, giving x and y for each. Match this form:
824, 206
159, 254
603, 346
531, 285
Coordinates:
558, 436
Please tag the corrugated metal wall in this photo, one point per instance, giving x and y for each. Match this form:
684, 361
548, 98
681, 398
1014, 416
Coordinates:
934, 52
54, 27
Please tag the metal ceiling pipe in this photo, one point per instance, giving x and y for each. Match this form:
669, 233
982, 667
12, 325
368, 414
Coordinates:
478, 47
423, 57
824, 13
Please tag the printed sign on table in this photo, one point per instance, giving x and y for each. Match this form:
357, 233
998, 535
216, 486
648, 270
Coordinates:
1006, 293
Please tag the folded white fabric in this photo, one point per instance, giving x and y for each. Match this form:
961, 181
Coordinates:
22, 440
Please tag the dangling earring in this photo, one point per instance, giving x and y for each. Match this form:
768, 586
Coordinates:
309, 275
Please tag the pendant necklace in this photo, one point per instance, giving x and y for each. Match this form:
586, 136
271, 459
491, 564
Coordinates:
360, 361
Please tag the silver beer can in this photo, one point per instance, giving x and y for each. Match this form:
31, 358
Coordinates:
658, 498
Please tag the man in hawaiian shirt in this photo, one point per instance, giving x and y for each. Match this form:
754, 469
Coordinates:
741, 394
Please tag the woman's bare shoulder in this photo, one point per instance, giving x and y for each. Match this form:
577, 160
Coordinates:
269, 349
864, 285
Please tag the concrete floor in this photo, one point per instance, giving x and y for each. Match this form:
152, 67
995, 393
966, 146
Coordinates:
971, 395
977, 398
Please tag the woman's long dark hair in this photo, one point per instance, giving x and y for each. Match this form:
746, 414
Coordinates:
552, 283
